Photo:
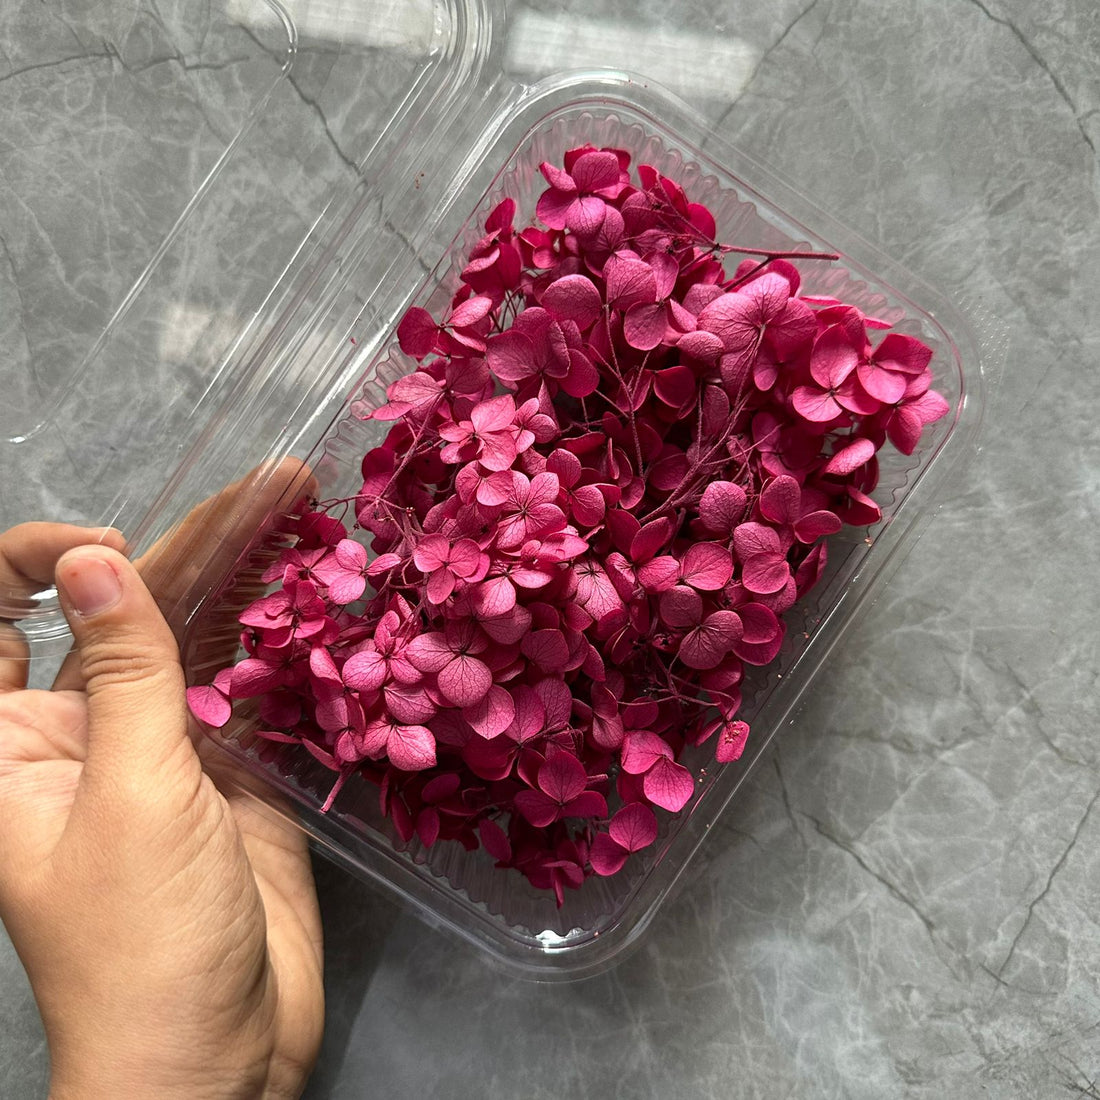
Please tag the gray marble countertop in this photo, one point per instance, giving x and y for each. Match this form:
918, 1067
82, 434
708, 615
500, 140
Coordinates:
904, 899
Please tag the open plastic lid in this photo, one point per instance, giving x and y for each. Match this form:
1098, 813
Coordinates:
180, 186
184, 191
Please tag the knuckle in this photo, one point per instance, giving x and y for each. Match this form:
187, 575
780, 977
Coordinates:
107, 667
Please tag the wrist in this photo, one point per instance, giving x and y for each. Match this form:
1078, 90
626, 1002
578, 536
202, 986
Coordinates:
127, 1075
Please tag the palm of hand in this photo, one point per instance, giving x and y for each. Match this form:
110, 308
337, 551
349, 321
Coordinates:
205, 897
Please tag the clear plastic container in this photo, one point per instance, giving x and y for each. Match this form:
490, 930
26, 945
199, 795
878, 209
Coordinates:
311, 340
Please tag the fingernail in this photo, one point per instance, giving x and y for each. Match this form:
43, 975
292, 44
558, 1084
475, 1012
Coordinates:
91, 586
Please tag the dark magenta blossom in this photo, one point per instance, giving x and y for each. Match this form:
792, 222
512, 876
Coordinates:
490, 435
615, 465
664, 782
578, 194
453, 656
530, 510
561, 792
447, 563
764, 565
633, 828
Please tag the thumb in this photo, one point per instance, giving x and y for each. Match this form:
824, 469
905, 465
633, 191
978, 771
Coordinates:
129, 661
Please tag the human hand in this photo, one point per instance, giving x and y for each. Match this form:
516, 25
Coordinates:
169, 928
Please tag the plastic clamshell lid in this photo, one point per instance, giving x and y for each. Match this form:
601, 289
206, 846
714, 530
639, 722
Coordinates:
168, 171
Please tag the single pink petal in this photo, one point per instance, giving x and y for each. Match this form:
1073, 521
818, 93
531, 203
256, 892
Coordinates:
595, 591
429, 652
817, 406
659, 574
681, 607
722, 506
319, 753
607, 730
417, 332
764, 574
427, 825
850, 457
574, 298
630, 281
566, 466
634, 827
641, 750
586, 215
493, 714
282, 738
589, 505
669, 471
731, 742
470, 312
645, 325
852, 395
440, 585
596, 171
347, 588
675, 386
562, 776
883, 385
734, 318
816, 525
650, 539
494, 597
322, 667
552, 206
811, 569
833, 357
606, 856
383, 564
537, 808
781, 499
905, 429
706, 566
589, 804
464, 680
431, 553
704, 347
209, 705
760, 654
546, 650
582, 379
493, 414
494, 840
254, 677
795, 326
511, 356
669, 785
759, 623
411, 748
750, 539
903, 353
408, 703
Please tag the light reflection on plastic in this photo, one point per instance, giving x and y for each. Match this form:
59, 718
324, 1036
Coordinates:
694, 65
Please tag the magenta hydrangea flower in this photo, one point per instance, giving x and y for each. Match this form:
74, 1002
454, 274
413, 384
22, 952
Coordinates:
612, 465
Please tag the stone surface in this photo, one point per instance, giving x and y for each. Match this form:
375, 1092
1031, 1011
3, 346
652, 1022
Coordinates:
902, 901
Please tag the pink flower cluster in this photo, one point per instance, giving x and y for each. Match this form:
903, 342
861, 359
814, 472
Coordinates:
606, 481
